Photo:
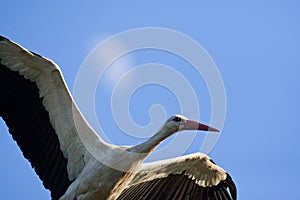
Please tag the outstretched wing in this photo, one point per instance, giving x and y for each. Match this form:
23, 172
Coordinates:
191, 177
39, 112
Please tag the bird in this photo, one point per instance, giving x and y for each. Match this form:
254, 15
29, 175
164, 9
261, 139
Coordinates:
74, 162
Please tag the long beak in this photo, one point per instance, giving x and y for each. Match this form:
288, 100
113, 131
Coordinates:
192, 125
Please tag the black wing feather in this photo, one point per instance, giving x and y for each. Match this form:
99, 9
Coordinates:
179, 187
28, 122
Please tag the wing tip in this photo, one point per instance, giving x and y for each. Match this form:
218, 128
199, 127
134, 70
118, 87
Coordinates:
231, 186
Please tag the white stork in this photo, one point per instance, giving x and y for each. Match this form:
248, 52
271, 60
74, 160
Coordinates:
39, 112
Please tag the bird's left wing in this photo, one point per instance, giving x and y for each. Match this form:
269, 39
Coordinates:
192, 177
42, 116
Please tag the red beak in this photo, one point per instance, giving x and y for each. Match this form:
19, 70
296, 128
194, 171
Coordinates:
192, 125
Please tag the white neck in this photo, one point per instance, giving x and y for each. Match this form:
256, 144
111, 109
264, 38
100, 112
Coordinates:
149, 145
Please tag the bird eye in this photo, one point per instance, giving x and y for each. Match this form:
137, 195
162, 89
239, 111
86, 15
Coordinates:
177, 119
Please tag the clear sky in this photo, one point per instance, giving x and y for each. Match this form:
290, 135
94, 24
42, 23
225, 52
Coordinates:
255, 45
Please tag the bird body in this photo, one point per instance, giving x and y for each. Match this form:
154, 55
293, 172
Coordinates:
93, 183
73, 161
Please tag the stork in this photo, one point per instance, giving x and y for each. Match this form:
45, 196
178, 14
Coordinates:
43, 119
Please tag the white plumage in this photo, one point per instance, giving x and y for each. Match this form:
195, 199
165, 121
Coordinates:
61, 146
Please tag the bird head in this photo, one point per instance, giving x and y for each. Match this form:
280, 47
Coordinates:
172, 125
180, 123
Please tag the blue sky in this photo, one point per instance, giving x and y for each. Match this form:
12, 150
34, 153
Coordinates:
255, 45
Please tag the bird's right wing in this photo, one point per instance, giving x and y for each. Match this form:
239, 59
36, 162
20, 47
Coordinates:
191, 177
42, 117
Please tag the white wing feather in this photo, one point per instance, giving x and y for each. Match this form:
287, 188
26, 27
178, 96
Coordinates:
197, 166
